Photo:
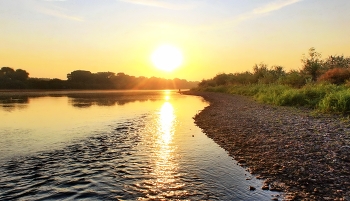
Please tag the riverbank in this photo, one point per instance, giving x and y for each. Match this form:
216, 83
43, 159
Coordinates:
305, 156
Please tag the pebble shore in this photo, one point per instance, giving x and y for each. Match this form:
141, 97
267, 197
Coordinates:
304, 155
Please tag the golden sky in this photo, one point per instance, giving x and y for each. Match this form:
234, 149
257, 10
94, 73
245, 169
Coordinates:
50, 38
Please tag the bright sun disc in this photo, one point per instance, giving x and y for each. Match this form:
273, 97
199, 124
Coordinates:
167, 58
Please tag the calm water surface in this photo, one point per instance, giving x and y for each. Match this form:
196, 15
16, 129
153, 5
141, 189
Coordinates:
133, 145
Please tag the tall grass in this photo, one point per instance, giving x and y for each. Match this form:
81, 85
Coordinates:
292, 97
336, 102
326, 98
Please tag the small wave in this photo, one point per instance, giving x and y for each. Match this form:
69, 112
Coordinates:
125, 162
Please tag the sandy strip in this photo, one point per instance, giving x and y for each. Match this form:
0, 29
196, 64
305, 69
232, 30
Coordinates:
296, 152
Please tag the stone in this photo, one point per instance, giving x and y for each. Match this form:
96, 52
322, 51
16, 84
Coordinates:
265, 187
252, 188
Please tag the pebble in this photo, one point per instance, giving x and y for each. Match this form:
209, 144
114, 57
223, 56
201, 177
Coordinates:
273, 142
252, 188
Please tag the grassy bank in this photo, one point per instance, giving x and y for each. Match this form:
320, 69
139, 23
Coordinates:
322, 84
326, 98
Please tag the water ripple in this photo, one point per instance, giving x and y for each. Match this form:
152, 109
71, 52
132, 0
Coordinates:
126, 162
102, 167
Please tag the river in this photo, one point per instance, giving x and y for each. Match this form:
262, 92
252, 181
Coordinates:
114, 145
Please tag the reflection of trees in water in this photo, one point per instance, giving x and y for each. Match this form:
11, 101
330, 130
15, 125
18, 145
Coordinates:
10, 103
87, 100
14, 99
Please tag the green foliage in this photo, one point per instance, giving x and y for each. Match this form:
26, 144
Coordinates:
207, 83
321, 97
295, 88
292, 97
264, 75
261, 74
337, 62
312, 65
271, 94
314, 93
243, 78
293, 78
337, 102
222, 79
220, 89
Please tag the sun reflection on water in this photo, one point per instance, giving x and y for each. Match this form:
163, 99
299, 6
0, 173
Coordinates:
165, 179
166, 167
166, 123
167, 98
164, 161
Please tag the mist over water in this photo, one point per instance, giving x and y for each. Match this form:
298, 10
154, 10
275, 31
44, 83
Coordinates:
114, 146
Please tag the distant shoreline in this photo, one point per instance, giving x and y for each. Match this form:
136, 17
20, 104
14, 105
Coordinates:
8, 92
295, 152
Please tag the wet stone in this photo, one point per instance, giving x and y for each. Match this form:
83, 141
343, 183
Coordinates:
282, 144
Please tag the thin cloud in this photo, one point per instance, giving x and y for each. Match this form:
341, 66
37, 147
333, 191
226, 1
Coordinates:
59, 14
274, 6
160, 4
258, 12
47, 8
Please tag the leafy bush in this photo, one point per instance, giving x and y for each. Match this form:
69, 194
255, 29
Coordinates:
336, 76
312, 64
314, 93
337, 102
294, 88
337, 62
292, 97
221, 89
270, 93
294, 79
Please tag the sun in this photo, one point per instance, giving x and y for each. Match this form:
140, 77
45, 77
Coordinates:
167, 58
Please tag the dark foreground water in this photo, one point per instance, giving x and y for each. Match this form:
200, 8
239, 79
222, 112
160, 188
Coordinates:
113, 146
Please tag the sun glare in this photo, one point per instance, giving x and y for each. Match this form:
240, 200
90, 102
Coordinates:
167, 57
167, 118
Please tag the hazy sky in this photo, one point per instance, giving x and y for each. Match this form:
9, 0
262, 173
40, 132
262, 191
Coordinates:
50, 38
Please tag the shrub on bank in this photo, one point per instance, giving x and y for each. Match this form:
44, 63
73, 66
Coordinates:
271, 93
336, 76
293, 79
220, 89
321, 84
292, 97
314, 93
336, 102
328, 98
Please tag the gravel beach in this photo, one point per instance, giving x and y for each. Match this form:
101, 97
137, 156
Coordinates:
303, 155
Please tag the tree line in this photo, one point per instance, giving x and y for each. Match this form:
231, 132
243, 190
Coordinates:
334, 69
83, 79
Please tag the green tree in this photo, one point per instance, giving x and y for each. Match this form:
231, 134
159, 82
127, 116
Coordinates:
312, 64
80, 76
6, 73
222, 79
20, 75
260, 71
294, 79
13, 79
337, 62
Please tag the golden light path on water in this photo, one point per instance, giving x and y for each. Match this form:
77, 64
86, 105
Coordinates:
166, 123
165, 165
165, 158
